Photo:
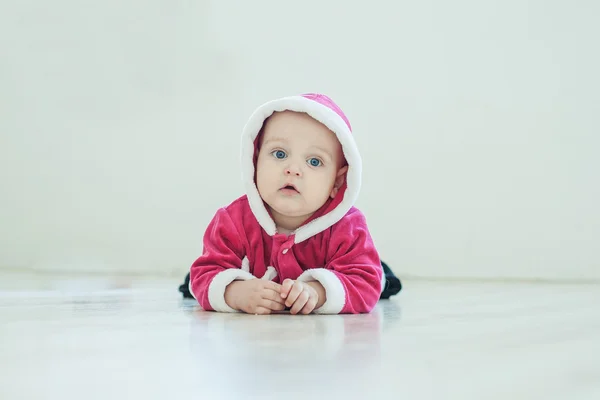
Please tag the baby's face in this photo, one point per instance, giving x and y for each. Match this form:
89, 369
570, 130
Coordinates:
299, 166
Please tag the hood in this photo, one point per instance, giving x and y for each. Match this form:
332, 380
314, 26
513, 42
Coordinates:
324, 110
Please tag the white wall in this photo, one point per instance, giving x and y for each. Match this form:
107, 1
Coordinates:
478, 122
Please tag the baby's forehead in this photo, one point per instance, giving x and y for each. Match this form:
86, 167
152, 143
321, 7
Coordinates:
297, 126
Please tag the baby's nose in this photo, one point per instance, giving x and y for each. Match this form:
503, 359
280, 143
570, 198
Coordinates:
293, 171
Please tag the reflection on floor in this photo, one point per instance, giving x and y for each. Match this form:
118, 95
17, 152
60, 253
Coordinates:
119, 339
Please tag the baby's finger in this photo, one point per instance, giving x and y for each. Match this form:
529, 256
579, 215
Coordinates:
273, 295
300, 303
285, 287
272, 305
294, 293
272, 285
259, 310
310, 305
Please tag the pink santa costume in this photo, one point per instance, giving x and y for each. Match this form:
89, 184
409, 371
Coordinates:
334, 246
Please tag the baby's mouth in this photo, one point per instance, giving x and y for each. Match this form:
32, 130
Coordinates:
289, 189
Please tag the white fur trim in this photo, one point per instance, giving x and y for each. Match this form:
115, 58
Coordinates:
246, 264
336, 124
216, 289
270, 274
336, 295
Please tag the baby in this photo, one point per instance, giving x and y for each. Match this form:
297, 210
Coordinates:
295, 240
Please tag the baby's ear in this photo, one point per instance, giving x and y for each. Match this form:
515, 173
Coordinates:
339, 181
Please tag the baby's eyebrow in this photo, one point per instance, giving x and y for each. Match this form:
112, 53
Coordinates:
328, 153
275, 139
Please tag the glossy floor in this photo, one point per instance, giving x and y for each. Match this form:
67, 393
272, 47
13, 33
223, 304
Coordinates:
119, 339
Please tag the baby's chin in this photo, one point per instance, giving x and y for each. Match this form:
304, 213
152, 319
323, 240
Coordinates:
290, 210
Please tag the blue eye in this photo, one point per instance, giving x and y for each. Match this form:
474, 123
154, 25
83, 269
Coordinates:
280, 154
315, 162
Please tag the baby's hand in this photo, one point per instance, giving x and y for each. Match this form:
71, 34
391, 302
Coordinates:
301, 296
254, 296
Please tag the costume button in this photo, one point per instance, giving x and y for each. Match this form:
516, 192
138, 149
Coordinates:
285, 251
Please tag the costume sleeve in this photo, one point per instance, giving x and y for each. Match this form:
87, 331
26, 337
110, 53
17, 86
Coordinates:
222, 261
353, 276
